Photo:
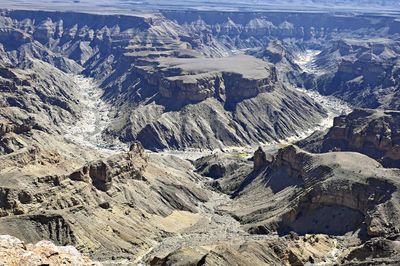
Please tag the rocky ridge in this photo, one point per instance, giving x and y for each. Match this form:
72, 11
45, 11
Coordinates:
92, 206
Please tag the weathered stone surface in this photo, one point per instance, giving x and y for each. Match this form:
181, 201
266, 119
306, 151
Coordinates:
375, 251
15, 252
317, 185
260, 159
375, 133
131, 192
8, 127
101, 173
361, 71
177, 80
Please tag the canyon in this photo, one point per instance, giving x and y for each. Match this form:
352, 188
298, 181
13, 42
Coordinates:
196, 137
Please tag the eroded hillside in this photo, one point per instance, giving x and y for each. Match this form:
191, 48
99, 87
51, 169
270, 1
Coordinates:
135, 137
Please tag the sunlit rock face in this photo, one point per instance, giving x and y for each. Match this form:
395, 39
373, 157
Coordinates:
152, 71
15, 252
371, 132
142, 62
218, 98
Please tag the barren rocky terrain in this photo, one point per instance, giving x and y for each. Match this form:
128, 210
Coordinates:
192, 137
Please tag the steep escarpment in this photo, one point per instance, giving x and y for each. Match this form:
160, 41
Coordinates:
371, 132
244, 29
236, 101
152, 71
232, 79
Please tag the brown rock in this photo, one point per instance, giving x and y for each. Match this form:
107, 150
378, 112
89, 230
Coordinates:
260, 159
14, 252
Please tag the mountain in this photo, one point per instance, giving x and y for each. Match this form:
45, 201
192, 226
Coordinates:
183, 136
141, 82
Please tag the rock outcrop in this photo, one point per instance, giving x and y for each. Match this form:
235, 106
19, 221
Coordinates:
260, 159
371, 132
113, 208
226, 170
6, 127
311, 186
376, 251
101, 173
15, 252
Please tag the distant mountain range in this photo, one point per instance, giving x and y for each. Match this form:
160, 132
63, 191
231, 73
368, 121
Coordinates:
254, 4
216, 5
332, 3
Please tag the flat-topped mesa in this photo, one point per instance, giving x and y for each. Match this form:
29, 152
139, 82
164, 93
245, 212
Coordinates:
230, 79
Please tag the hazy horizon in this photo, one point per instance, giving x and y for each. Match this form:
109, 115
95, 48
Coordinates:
228, 5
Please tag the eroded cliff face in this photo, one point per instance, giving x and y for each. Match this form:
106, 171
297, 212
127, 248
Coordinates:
193, 80
241, 29
180, 80
312, 186
113, 208
361, 71
141, 63
372, 132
